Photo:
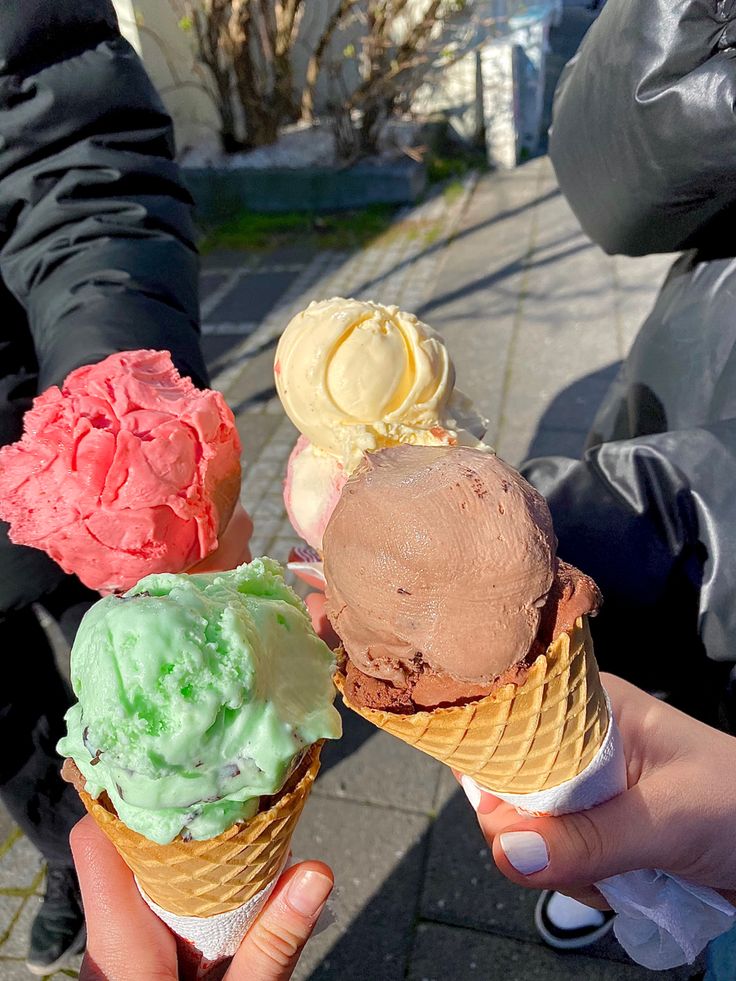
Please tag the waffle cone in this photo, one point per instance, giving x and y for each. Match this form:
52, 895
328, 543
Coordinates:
519, 739
225, 495
203, 878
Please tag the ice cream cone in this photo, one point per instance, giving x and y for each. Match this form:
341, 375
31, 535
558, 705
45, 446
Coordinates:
519, 739
204, 878
225, 495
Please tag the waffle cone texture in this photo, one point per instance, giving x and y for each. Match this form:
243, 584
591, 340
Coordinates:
226, 495
203, 878
519, 739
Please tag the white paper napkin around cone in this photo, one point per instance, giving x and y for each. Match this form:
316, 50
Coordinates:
663, 921
310, 572
216, 937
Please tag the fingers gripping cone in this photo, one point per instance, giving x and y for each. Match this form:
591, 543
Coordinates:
519, 739
550, 740
198, 694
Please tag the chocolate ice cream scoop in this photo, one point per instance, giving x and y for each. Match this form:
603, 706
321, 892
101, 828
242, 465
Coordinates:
438, 561
573, 595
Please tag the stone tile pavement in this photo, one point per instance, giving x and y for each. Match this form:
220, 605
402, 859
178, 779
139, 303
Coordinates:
536, 318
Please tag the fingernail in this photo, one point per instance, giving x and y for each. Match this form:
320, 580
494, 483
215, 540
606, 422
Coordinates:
472, 791
308, 891
526, 850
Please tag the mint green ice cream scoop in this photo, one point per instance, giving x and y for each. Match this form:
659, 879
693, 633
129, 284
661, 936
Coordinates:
196, 696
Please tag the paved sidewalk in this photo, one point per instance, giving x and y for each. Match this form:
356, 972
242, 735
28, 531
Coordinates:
536, 318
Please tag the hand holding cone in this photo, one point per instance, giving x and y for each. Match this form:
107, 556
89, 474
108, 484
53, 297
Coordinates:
220, 874
458, 596
203, 704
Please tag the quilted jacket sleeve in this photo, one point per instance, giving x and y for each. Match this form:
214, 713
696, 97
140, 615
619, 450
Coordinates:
96, 239
644, 127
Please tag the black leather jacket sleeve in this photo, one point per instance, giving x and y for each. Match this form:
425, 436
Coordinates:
652, 519
644, 127
96, 239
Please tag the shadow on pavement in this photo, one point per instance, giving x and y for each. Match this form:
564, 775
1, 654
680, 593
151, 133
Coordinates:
517, 265
461, 890
258, 398
230, 358
469, 230
571, 413
355, 731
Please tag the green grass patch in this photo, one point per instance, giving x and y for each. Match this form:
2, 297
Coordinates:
433, 234
453, 190
343, 230
441, 167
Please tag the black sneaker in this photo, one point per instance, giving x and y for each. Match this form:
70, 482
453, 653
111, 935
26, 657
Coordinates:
58, 932
566, 924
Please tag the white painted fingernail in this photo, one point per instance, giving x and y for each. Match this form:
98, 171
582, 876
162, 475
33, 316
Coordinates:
526, 850
472, 791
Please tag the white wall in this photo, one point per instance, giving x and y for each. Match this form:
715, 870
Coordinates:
152, 27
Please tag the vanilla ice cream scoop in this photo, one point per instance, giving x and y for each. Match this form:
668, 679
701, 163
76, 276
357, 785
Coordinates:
355, 376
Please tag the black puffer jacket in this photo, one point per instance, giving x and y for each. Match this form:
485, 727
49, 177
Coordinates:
644, 145
96, 241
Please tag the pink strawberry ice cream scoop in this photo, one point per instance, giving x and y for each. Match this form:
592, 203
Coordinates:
312, 488
125, 471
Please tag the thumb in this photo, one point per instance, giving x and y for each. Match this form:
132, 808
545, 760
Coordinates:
576, 850
273, 944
